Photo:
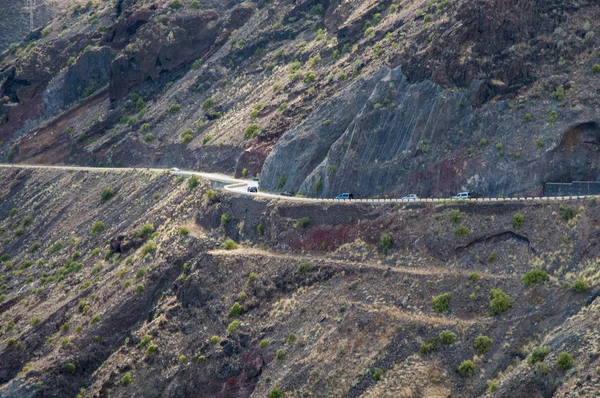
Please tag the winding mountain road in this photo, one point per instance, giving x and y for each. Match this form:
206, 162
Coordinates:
240, 186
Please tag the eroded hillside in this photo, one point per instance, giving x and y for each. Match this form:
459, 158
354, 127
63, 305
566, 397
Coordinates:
320, 97
142, 284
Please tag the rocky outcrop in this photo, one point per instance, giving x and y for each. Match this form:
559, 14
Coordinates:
169, 44
90, 72
410, 138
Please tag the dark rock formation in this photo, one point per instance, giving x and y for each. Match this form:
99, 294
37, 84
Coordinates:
410, 138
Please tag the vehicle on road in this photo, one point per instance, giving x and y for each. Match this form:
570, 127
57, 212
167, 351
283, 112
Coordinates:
175, 169
345, 196
462, 195
412, 196
289, 193
253, 189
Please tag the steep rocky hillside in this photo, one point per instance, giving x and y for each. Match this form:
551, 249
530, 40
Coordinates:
142, 284
374, 97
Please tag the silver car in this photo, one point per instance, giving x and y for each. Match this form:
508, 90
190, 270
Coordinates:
462, 195
412, 196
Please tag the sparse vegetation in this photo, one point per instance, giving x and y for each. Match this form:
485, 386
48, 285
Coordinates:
500, 302
304, 267
304, 222
280, 354
534, 276
466, 368
518, 220
482, 344
461, 231
386, 241
229, 244
126, 380
537, 355
565, 361
441, 303
97, 228
447, 337
580, 285
193, 182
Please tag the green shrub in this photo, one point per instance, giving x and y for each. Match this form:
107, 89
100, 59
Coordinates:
57, 246
212, 195
474, 276
145, 127
201, 359
260, 228
565, 361
304, 267
225, 219
281, 182
518, 220
187, 138
482, 344
492, 257
456, 216
461, 231
146, 231
27, 221
377, 374
35, 247
183, 231
151, 350
537, 355
148, 248
447, 337
283, 106
139, 289
234, 327
280, 354
534, 276
97, 228
107, 194
149, 137
174, 108
229, 244
304, 222
466, 368
252, 131
208, 103
70, 367
251, 277
426, 348
569, 214
182, 359
236, 309
145, 340
500, 302
309, 77
215, 339
528, 117
442, 303
580, 285
126, 380
596, 69
386, 241
193, 182
276, 392
263, 343
95, 318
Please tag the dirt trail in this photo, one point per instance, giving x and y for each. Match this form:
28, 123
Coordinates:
429, 271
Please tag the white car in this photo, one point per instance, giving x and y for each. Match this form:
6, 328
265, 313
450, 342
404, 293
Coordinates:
175, 169
412, 196
462, 195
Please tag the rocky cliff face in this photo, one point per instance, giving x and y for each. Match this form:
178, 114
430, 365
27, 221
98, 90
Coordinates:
420, 138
